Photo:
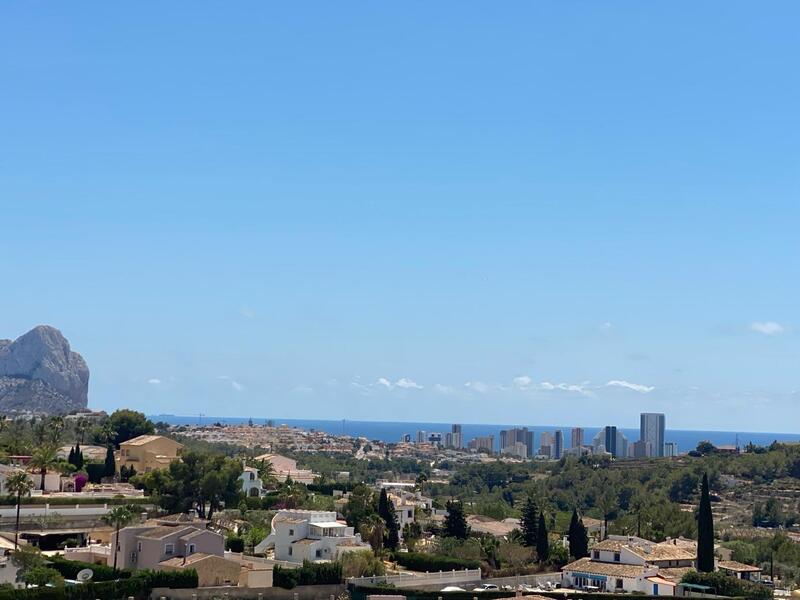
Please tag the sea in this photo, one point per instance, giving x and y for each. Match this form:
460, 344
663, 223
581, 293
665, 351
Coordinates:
393, 431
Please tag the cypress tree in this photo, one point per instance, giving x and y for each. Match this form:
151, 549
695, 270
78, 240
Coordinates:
705, 531
542, 541
529, 524
71, 457
572, 534
387, 513
77, 459
111, 465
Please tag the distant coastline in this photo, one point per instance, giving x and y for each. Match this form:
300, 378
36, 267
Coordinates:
391, 431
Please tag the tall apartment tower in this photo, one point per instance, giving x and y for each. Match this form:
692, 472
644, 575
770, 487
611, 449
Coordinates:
610, 439
577, 437
558, 444
651, 432
456, 436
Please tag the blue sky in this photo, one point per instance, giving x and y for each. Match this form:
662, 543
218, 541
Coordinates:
550, 212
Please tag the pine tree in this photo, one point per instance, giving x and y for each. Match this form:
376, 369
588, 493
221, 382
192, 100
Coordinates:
542, 541
705, 531
529, 524
455, 523
111, 465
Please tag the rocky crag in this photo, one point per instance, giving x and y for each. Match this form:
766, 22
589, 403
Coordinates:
39, 373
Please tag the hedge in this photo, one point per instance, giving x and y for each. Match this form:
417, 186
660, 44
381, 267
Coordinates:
327, 489
418, 561
308, 574
138, 585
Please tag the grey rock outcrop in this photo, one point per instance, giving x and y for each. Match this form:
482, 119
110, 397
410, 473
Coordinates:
40, 373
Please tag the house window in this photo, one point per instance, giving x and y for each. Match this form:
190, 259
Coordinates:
169, 549
290, 550
192, 548
619, 584
319, 553
596, 555
616, 556
410, 513
139, 546
291, 532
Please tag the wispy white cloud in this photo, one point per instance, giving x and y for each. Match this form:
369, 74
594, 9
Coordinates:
578, 388
302, 389
154, 381
636, 387
404, 383
247, 312
478, 386
523, 382
408, 384
443, 389
767, 327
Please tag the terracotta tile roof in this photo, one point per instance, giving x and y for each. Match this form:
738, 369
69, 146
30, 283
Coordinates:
587, 565
180, 561
304, 542
732, 565
610, 545
157, 533
660, 552
673, 573
146, 439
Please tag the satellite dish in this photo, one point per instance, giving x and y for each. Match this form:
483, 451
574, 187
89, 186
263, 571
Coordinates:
84, 575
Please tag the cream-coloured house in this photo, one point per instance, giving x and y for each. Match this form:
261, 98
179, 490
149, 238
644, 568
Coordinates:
212, 570
285, 467
147, 453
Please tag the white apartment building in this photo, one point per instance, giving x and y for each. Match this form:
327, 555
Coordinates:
312, 535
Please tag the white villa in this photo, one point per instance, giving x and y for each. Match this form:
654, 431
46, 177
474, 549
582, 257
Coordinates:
252, 485
312, 535
632, 564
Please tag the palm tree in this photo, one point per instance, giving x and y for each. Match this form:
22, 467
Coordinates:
266, 471
607, 503
18, 484
421, 479
81, 427
373, 529
118, 517
44, 459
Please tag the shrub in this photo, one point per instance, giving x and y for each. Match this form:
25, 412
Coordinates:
726, 585
234, 544
418, 561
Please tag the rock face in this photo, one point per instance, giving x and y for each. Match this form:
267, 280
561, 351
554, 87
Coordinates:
40, 373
